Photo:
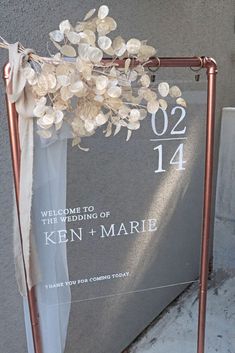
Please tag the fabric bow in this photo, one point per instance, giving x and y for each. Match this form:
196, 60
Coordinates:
20, 93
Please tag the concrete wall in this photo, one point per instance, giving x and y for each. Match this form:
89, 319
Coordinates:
203, 27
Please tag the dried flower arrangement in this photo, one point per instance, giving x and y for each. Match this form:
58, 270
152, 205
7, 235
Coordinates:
77, 86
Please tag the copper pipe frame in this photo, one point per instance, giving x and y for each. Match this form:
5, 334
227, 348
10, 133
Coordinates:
211, 67
192, 62
15, 153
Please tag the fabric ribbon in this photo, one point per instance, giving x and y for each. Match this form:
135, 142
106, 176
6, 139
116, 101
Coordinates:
19, 92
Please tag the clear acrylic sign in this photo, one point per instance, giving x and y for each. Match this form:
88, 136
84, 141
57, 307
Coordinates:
118, 228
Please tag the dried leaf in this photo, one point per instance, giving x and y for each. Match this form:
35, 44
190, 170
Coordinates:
129, 132
77, 86
89, 14
113, 82
62, 69
65, 26
58, 125
46, 121
66, 94
104, 42
42, 82
143, 114
103, 28
101, 82
57, 56
73, 37
56, 45
76, 141
30, 75
109, 51
123, 123
86, 149
101, 119
127, 65
175, 92
163, 104
83, 51
114, 103
124, 111
145, 80
163, 89
113, 72
135, 100
115, 119
133, 75
108, 130
80, 26
133, 46
48, 68
111, 23
146, 51
140, 69
119, 46
103, 12
63, 80
89, 125
40, 92
181, 101
42, 101
153, 106
134, 115
114, 91
95, 55
68, 50
39, 110
51, 81
117, 129
99, 98
56, 36
90, 37
59, 115
100, 92
133, 125
147, 94
121, 51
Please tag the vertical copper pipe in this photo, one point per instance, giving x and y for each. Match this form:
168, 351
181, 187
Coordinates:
15, 152
211, 67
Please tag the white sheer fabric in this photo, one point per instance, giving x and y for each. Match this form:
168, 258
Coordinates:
49, 192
